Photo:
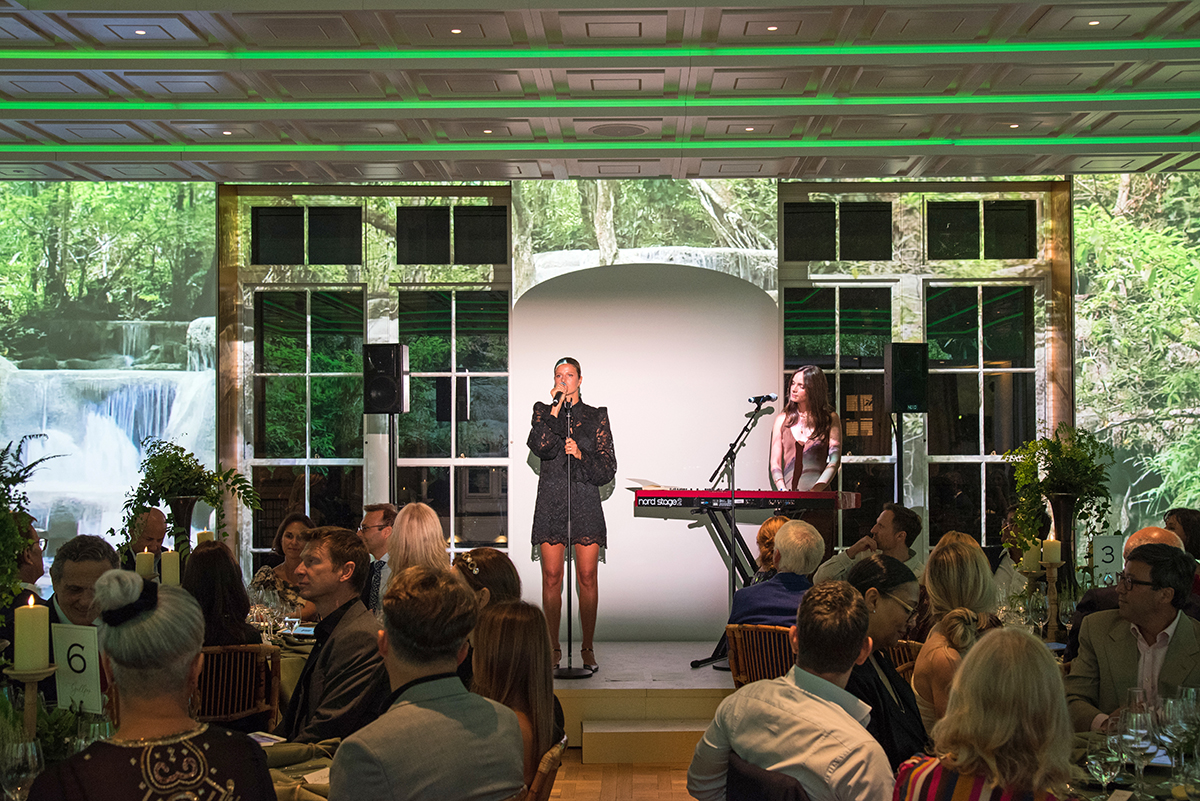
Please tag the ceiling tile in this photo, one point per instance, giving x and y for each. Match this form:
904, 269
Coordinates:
613, 27
955, 22
47, 86
476, 28
350, 171
445, 85
795, 82
32, 172
161, 171
315, 29
615, 168
89, 132
1050, 77
617, 129
469, 170
790, 25
1074, 21
584, 83
896, 80
331, 85
364, 131
1145, 123
487, 130
825, 167
15, 32
157, 30
176, 85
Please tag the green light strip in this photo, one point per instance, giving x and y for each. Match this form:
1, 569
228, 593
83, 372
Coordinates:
1031, 142
631, 52
1074, 100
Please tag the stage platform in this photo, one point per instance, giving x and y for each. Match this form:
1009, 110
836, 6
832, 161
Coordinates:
645, 704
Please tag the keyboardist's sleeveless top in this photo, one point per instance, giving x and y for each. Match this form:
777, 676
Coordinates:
547, 438
814, 450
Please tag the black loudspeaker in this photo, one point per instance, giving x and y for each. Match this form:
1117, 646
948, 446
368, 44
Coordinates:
906, 376
385, 379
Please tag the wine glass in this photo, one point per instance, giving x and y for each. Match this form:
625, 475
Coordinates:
1066, 611
1039, 610
1138, 743
20, 764
1104, 760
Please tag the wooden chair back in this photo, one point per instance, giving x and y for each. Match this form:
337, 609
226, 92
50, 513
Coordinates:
758, 652
543, 782
904, 656
237, 681
748, 782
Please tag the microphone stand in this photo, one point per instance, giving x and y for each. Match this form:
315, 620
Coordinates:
570, 672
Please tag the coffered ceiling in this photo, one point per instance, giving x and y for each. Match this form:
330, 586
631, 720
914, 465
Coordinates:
313, 90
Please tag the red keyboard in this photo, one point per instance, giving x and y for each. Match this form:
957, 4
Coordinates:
746, 499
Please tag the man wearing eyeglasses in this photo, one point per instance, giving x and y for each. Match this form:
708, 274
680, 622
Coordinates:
375, 531
1146, 642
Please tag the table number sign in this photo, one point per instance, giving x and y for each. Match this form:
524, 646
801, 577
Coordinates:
1106, 555
77, 655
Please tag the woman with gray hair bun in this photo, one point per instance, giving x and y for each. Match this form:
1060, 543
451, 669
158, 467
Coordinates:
150, 640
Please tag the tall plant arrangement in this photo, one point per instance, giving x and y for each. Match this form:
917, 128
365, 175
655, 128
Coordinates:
1072, 462
169, 471
14, 513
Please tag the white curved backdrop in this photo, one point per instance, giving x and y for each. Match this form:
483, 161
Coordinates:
673, 352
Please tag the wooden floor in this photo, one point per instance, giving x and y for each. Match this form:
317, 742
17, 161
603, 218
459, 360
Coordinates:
579, 782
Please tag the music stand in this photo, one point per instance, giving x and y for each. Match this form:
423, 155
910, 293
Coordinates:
570, 672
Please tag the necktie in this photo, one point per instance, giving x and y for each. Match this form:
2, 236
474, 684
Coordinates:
376, 580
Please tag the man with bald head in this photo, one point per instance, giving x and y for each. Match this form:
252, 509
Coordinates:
1102, 598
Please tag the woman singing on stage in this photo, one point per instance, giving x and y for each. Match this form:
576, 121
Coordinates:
806, 441
588, 448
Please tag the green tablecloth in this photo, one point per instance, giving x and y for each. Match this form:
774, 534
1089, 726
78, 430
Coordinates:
290, 762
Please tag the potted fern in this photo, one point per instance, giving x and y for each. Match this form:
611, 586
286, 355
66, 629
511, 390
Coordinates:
14, 513
1068, 470
178, 478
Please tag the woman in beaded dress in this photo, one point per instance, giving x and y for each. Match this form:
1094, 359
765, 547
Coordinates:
587, 450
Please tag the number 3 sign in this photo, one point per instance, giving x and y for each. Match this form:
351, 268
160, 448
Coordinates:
77, 654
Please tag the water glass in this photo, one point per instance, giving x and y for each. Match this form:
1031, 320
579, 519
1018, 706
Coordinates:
92, 728
1138, 743
1104, 760
20, 764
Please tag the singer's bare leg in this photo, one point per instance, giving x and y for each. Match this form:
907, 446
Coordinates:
552, 583
587, 558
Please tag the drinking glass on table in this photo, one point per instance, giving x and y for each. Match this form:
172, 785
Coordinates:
1138, 743
1104, 760
1039, 611
20, 764
1066, 611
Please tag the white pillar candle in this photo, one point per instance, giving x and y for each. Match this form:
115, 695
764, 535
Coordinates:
1051, 551
204, 536
144, 564
31, 630
1032, 557
168, 566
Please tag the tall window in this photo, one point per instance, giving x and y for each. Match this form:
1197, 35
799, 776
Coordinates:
982, 401
844, 330
307, 443
452, 447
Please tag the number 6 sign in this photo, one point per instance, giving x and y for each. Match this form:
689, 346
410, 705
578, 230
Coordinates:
77, 654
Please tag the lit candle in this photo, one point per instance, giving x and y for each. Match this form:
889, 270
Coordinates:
204, 536
31, 630
168, 565
1051, 551
1032, 557
144, 564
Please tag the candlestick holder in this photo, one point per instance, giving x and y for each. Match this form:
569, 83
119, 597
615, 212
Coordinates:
1052, 598
30, 679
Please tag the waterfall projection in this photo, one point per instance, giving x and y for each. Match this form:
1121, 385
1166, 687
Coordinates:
107, 341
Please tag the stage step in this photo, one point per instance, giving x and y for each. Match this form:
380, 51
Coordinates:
641, 741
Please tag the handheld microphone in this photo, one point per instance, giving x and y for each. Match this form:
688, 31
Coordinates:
761, 399
557, 398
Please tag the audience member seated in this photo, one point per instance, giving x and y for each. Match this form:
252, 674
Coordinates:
342, 684
766, 549
281, 579
798, 548
803, 724
493, 578
962, 594
894, 532
77, 564
30, 567
417, 539
1098, 599
1147, 642
436, 740
146, 534
890, 590
150, 639
512, 667
1009, 580
1186, 524
215, 581
376, 527
1006, 733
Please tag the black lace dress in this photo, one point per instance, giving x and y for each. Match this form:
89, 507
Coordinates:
547, 440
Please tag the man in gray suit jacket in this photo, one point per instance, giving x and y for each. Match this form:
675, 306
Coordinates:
343, 683
1146, 642
437, 741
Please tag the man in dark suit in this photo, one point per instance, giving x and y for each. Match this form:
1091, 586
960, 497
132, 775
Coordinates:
78, 562
1098, 599
343, 681
436, 740
1146, 642
146, 534
798, 551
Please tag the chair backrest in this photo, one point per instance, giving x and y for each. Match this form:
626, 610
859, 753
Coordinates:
904, 651
237, 681
758, 652
543, 782
747, 782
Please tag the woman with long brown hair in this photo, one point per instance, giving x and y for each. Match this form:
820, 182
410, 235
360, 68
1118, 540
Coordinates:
806, 439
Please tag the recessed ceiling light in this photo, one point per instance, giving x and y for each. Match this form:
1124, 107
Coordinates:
140, 33
456, 30
772, 27
1014, 125
227, 133
1094, 22
748, 128
487, 130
